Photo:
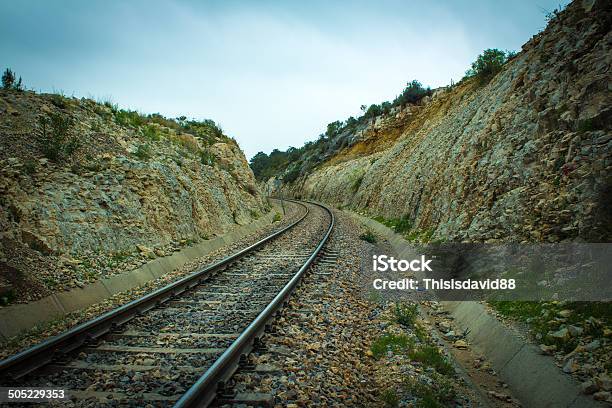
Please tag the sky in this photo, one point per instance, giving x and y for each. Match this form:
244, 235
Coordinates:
271, 73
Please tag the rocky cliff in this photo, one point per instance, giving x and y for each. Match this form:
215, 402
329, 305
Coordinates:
524, 157
130, 187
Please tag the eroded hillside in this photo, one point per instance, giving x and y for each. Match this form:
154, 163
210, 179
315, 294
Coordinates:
117, 188
525, 156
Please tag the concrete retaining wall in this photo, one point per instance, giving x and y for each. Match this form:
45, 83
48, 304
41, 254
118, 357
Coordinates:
532, 377
17, 318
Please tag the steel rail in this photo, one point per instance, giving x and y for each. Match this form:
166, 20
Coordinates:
57, 347
205, 390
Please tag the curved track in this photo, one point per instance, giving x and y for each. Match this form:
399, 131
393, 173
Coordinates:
180, 344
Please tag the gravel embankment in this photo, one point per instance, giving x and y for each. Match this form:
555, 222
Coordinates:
325, 349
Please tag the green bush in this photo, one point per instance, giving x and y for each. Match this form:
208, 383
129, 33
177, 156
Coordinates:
206, 130
406, 314
372, 111
151, 132
391, 342
143, 152
413, 93
419, 235
390, 398
7, 297
163, 121
586, 125
431, 356
129, 118
9, 81
54, 138
356, 184
333, 129
30, 166
277, 217
291, 175
437, 395
112, 106
540, 318
59, 101
207, 158
404, 224
489, 63
368, 236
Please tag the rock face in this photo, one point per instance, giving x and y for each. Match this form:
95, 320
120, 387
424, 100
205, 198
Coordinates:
123, 189
121, 205
525, 157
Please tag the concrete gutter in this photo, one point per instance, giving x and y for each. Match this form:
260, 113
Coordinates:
19, 317
532, 377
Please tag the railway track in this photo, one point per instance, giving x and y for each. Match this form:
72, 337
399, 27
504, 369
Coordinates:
179, 345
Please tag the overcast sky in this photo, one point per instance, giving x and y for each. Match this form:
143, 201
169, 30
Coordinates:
273, 74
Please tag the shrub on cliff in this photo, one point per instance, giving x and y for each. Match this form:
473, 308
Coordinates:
163, 121
9, 81
295, 162
413, 93
265, 166
488, 64
206, 130
151, 132
129, 118
143, 152
372, 111
333, 129
207, 158
55, 140
351, 123
291, 175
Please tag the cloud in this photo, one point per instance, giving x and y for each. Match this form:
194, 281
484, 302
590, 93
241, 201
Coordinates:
272, 73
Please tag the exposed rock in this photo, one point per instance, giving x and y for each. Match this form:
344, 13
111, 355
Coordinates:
594, 345
460, 344
575, 330
500, 396
570, 367
561, 334
604, 382
450, 335
525, 157
547, 349
146, 251
120, 189
588, 387
444, 326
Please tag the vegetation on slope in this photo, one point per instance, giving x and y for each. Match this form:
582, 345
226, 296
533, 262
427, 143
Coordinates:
57, 138
88, 190
10, 81
296, 162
